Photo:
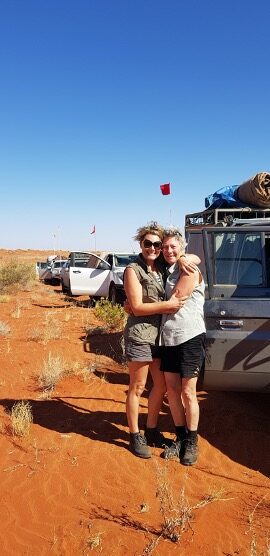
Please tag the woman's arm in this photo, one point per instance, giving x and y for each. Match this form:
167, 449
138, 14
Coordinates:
187, 283
188, 262
133, 290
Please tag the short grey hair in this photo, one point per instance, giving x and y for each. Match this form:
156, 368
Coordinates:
173, 231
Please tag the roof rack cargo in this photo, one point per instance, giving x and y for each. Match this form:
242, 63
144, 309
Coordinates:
225, 216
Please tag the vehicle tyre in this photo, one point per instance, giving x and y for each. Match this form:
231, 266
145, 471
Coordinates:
64, 289
113, 294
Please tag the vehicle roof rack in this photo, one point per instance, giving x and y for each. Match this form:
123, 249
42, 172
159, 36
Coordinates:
225, 216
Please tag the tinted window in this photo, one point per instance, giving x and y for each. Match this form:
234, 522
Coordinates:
124, 260
238, 259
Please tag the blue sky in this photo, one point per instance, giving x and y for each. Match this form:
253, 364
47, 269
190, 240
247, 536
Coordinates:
101, 101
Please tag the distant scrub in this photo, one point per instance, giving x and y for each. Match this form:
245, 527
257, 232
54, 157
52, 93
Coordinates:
15, 275
112, 315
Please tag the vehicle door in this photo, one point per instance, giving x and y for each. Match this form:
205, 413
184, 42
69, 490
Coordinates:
237, 308
89, 275
43, 270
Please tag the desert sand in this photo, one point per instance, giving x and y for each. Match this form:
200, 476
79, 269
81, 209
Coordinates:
73, 488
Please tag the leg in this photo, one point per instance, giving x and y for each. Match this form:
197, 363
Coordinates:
189, 397
174, 388
156, 395
138, 374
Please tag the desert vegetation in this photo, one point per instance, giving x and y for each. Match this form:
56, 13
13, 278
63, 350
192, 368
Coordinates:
15, 275
21, 418
64, 446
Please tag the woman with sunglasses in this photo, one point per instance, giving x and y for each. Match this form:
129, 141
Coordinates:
144, 283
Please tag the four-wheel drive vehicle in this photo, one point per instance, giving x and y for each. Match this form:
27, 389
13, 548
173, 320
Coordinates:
87, 274
41, 269
55, 270
49, 271
234, 247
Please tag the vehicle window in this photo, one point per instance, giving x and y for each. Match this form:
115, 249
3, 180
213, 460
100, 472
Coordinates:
80, 259
267, 258
92, 261
195, 245
109, 259
124, 260
238, 259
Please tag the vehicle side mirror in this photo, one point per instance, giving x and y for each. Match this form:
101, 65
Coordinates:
103, 265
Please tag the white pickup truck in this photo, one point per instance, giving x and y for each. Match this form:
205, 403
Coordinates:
86, 273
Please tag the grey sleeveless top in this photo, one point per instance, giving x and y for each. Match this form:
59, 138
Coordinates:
145, 329
188, 322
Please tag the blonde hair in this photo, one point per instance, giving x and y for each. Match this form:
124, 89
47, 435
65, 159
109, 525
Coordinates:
173, 231
150, 228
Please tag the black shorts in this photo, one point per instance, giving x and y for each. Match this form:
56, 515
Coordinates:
185, 359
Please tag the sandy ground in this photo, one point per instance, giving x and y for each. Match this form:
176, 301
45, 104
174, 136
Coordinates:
73, 488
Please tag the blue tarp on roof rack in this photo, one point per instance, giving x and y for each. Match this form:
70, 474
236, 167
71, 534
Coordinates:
255, 192
224, 197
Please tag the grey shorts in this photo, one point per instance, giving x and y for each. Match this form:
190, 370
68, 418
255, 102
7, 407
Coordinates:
141, 352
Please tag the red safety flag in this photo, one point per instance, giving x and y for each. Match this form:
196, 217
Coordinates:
165, 189
93, 231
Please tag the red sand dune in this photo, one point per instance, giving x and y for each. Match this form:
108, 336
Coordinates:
73, 488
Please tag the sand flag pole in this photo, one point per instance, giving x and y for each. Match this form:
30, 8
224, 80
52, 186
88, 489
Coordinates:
94, 232
166, 190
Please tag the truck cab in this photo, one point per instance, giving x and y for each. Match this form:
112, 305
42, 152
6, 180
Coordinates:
234, 248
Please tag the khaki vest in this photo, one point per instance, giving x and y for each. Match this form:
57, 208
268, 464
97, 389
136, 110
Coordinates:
145, 329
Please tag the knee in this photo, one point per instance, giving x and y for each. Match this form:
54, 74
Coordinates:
139, 388
189, 395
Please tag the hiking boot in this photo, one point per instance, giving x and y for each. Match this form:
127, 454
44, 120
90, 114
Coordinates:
138, 446
190, 453
174, 450
155, 438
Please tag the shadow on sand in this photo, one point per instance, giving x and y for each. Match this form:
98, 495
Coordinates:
234, 423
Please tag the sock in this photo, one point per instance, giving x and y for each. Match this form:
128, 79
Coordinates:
180, 432
192, 434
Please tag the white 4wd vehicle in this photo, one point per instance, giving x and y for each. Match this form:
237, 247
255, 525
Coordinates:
87, 274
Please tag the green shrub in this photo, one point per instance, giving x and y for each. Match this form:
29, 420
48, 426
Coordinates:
15, 275
113, 316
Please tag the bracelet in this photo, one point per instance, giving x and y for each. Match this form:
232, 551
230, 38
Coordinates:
182, 256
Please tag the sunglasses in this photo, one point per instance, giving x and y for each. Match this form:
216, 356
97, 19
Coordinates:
156, 244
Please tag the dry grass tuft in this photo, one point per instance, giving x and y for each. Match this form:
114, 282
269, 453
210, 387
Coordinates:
17, 311
177, 514
255, 526
84, 372
94, 542
21, 418
52, 371
4, 298
51, 329
4, 329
